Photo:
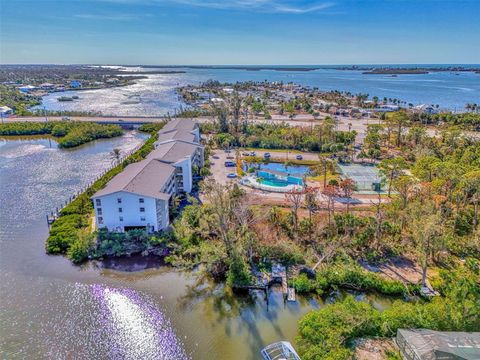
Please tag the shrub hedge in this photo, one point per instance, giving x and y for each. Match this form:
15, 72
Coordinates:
352, 276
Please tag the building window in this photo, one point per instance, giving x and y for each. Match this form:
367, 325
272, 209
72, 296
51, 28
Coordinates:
141, 200
98, 202
121, 218
142, 209
100, 220
142, 219
120, 210
99, 211
119, 200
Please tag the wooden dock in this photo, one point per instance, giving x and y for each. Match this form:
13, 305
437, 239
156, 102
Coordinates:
291, 294
280, 272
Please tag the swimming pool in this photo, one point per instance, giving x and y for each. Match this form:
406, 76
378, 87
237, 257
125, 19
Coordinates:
273, 182
293, 169
278, 179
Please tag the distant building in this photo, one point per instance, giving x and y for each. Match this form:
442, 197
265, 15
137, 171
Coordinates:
424, 108
333, 110
217, 100
387, 108
75, 84
139, 196
47, 86
424, 344
5, 111
112, 81
26, 88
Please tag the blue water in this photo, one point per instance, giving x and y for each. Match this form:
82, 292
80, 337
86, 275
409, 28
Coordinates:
274, 182
156, 94
293, 170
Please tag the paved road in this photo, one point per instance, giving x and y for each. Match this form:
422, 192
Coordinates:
359, 125
99, 119
344, 123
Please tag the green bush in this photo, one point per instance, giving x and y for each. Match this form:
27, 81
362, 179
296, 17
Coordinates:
80, 249
324, 334
350, 275
328, 333
303, 284
239, 272
347, 274
64, 233
152, 127
26, 128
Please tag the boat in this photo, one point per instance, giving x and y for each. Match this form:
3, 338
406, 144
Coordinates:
65, 98
281, 350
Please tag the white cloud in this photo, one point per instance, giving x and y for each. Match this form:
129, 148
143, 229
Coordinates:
272, 6
107, 17
303, 10
259, 5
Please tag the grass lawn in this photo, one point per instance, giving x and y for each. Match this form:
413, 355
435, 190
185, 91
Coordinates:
319, 178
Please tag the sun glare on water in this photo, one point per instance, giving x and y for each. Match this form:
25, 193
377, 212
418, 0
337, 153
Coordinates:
138, 330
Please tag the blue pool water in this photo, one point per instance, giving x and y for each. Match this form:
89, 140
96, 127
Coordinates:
278, 180
292, 170
273, 182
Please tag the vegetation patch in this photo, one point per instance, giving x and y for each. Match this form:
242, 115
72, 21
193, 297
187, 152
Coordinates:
320, 138
68, 134
16, 100
329, 333
348, 275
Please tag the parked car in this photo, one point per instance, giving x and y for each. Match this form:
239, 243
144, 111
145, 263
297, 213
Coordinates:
253, 153
65, 118
246, 154
229, 164
299, 157
267, 155
230, 157
232, 176
228, 151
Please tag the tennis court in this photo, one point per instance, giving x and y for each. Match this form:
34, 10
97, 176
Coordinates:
363, 175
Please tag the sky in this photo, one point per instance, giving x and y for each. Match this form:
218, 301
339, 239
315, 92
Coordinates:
258, 32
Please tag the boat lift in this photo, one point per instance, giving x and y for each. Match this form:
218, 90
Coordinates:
281, 350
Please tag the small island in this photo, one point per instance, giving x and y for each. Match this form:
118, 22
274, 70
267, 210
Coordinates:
68, 134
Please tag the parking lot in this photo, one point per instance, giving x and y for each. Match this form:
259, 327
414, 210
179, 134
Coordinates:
219, 170
286, 155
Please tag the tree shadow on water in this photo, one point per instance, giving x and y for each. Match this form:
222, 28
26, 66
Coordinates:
240, 314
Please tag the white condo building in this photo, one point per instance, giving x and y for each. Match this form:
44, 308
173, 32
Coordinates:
139, 196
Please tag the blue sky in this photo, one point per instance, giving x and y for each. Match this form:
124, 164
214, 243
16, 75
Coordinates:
239, 31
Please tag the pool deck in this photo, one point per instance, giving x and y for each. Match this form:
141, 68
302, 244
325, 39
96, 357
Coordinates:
259, 196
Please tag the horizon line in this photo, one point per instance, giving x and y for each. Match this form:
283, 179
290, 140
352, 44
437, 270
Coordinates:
245, 65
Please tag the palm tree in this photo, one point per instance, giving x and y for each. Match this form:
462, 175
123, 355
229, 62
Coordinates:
326, 165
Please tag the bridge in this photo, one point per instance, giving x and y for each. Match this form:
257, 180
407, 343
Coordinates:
116, 120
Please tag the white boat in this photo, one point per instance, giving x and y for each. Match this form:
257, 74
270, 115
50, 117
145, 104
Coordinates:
281, 350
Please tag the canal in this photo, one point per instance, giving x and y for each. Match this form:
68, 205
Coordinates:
51, 309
